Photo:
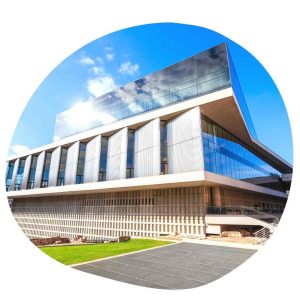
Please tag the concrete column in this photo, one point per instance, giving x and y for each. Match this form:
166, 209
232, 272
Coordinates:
39, 170
54, 166
92, 160
117, 155
71, 163
147, 149
185, 151
216, 196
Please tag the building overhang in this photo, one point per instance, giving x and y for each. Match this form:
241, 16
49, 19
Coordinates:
188, 179
227, 114
221, 106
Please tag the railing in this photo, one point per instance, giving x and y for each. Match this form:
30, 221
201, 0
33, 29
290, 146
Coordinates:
265, 233
243, 210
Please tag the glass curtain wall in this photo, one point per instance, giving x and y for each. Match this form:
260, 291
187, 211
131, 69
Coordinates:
62, 167
130, 154
163, 148
30, 182
10, 170
20, 173
103, 158
46, 168
198, 75
226, 155
80, 164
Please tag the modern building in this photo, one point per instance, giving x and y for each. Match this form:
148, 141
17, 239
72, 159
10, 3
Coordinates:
174, 152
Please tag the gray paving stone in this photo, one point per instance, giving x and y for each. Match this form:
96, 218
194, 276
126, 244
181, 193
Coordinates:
178, 266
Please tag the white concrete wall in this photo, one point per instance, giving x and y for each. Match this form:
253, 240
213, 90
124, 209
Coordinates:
92, 160
71, 163
185, 151
39, 169
26, 172
117, 155
54, 166
147, 149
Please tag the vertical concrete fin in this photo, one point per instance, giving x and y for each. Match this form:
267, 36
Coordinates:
147, 149
92, 160
39, 170
185, 152
117, 155
54, 165
71, 163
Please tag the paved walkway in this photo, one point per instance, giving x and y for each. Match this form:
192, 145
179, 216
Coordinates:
178, 266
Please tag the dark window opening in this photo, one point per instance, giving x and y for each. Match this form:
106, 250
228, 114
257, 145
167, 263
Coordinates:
62, 167
31, 177
46, 169
80, 164
130, 154
20, 173
163, 148
9, 174
103, 159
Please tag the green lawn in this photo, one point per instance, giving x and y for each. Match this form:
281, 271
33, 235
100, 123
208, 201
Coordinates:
69, 255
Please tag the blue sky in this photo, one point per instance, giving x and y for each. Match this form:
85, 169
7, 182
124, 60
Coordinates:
129, 54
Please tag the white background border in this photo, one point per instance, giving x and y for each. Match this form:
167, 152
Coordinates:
37, 35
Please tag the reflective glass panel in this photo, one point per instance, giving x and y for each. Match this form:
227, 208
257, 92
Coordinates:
198, 75
9, 174
62, 166
20, 173
30, 182
45, 176
80, 164
226, 155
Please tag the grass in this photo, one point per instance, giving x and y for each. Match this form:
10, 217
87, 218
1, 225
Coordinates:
69, 255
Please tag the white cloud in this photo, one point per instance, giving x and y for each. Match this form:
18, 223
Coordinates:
110, 56
129, 68
19, 149
98, 70
101, 85
86, 61
109, 53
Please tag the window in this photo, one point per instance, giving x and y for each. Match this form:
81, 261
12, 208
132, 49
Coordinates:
80, 164
130, 154
46, 168
227, 155
163, 148
9, 174
62, 167
20, 173
103, 159
30, 182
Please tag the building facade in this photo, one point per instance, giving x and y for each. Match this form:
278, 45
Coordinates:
171, 153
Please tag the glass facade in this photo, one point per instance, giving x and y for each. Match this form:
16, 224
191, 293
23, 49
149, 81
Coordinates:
9, 174
80, 165
198, 75
45, 175
240, 97
20, 173
103, 158
226, 155
130, 154
30, 182
163, 148
62, 166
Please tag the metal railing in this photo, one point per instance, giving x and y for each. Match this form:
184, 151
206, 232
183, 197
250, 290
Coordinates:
265, 233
